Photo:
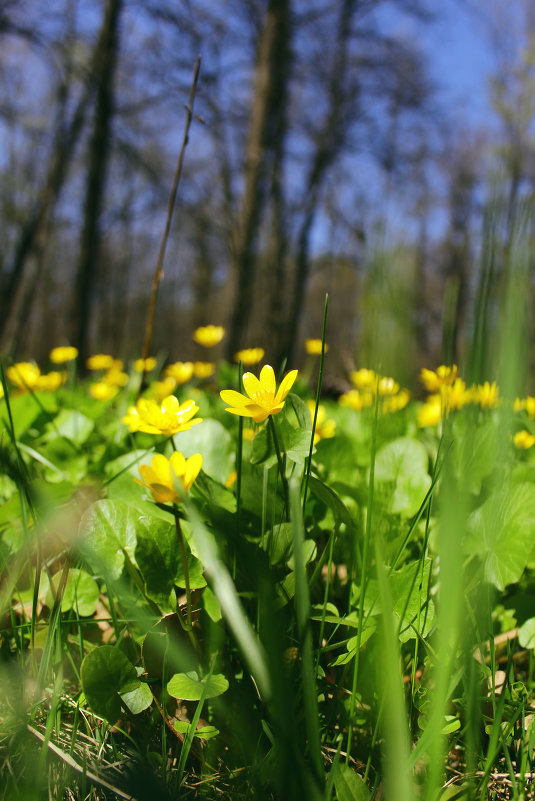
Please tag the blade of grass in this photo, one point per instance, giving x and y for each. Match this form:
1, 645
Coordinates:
304, 633
318, 394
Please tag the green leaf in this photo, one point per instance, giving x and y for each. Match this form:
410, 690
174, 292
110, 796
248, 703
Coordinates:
81, 592
25, 409
332, 500
404, 462
215, 444
502, 533
298, 407
107, 531
215, 493
409, 591
204, 732
189, 687
139, 699
211, 604
105, 673
72, 425
526, 634
294, 442
475, 451
349, 785
157, 557
278, 543
195, 569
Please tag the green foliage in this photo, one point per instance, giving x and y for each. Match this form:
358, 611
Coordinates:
107, 673
231, 626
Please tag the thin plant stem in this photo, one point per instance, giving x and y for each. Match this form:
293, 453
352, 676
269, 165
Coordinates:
158, 273
364, 578
280, 463
185, 567
318, 393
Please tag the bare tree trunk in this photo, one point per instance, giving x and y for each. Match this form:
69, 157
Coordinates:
328, 145
66, 139
266, 101
99, 147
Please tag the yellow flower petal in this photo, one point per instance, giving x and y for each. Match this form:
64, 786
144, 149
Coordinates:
286, 385
234, 398
251, 385
267, 379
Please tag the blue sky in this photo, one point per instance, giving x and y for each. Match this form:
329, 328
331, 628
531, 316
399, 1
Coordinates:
461, 62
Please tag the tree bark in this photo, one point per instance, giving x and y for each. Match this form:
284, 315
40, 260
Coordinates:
328, 143
267, 99
99, 148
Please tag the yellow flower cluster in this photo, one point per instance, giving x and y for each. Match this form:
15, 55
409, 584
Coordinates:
107, 386
523, 439
448, 392
145, 365
27, 377
369, 384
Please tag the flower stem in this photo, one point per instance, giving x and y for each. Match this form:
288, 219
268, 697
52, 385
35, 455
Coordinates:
280, 462
183, 556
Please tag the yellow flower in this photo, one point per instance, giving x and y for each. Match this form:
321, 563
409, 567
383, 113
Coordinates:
100, 361
456, 395
181, 372
168, 418
203, 369
51, 381
313, 347
364, 379
116, 378
249, 355
430, 412
165, 476
27, 377
209, 335
523, 439
145, 365
387, 386
231, 480
486, 395
24, 375
63, 354
527, 404
161, 389
102, 391
396, 402
324, 426
442, 376
356, 400
263, 398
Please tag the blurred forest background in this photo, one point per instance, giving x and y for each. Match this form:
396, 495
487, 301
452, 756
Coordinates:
321, 159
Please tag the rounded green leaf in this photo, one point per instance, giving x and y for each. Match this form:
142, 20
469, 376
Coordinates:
189, 687
215, 444
404, 462
502, 533
106, 672
139, 699
108, 529
81, 592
